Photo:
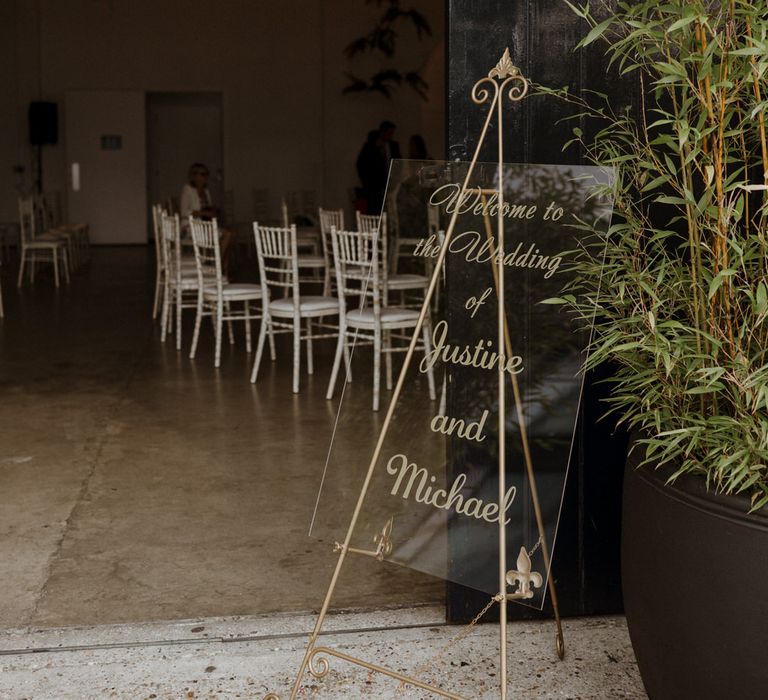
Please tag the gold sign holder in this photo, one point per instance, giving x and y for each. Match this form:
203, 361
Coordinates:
503, 81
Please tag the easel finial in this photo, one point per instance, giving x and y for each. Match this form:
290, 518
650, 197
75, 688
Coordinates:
504, 68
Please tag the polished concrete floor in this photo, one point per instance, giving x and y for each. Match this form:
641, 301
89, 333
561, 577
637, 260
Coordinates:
137, 485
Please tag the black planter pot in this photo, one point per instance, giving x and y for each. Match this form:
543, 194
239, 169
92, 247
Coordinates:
695, 580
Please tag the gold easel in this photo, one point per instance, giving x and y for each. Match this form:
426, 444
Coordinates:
502, 80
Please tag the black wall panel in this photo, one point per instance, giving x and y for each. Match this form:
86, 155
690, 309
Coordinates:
541, 36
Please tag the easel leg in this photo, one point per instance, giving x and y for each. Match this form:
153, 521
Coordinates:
503, 647
317, 628
559, 639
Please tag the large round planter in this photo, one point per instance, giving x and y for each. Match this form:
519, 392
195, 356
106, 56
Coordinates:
695, 580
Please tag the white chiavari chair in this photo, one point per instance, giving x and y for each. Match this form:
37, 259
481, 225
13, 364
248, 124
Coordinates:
403, 246
328, 219
77, 235
39, 248
160, 269
216, 297
277, 253
307, 241
181, 281
48, 220
311, 259
401, 282
359, 272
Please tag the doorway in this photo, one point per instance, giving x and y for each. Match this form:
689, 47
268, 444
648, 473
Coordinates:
183, 128
106, 169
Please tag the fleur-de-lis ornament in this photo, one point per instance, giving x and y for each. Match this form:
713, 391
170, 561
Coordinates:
524, 577
383, 541
504, 68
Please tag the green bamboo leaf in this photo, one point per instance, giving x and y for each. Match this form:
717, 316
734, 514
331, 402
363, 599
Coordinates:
669, 79
718, 280
582, 12
758, 502
761, 298
682, 22
568, 299
653, 184
596, 33
709, 171
748, 51
666, 199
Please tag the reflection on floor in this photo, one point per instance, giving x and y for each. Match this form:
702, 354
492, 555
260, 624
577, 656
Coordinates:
136, 484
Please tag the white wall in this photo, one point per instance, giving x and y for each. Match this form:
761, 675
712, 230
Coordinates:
279, 66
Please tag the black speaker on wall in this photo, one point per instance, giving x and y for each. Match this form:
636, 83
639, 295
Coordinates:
43, 123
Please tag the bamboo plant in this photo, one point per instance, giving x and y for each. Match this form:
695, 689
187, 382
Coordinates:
683, 308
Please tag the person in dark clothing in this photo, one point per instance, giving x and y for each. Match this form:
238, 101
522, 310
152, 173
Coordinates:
390, 146
417, 149
372, 168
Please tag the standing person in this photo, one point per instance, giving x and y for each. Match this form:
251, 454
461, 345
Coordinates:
417, 149
195, 200
391, 147
372, 169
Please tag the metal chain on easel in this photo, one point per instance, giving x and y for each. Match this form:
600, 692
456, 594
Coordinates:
535, 547
461, 634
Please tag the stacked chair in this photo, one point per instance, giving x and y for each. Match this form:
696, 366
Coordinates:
43, 238
180, 283
46, 247
48, 218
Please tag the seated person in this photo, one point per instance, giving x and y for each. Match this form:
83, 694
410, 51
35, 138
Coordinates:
195, 200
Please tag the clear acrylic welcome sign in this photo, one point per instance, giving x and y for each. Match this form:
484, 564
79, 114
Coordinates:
433, 503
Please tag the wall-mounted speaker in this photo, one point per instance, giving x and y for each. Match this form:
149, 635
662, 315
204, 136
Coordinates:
43, 123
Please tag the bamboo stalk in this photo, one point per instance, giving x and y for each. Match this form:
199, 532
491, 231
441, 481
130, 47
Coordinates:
763, 141
702, 39
707, 83
722, 226
761, 116
693, 233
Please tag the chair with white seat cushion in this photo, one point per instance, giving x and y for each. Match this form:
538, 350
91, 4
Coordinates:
401, 282
359, 273
216, 297
39, 248
277, 253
